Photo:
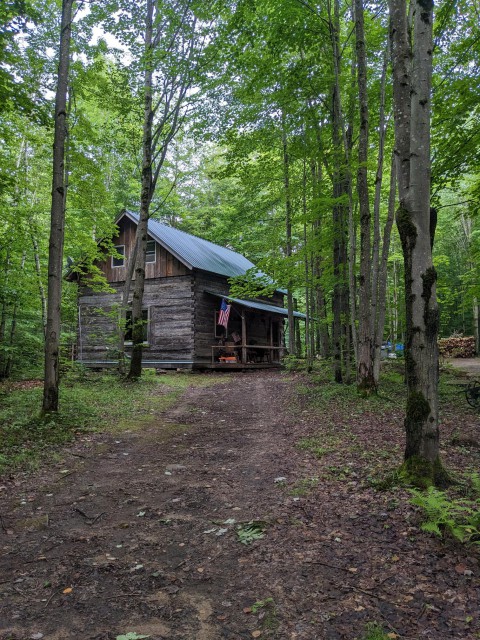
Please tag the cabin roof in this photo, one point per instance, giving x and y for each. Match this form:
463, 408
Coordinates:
194, 252
253, 304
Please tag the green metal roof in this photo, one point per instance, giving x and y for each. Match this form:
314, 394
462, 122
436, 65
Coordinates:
194, 252
260, 306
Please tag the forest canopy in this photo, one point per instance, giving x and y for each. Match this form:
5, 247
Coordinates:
264, 157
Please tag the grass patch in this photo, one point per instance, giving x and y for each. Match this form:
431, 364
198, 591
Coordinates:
315, 445
322, 393
303, 486
91, 402
373, 631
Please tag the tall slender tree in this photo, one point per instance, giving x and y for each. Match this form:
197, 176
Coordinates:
365, 377
57, 218
172, 44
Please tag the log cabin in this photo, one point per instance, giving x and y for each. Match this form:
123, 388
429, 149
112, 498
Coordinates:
186, 280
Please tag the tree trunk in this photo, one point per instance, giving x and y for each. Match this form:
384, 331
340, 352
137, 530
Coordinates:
57, 221
288, 227
382, 129
145, 199
365, 378
340, 331
382, 275
475, 325
308, 350
321, 338
123, 311
412, 141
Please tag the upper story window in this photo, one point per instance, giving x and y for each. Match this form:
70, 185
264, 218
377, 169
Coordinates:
151, 251
119, 261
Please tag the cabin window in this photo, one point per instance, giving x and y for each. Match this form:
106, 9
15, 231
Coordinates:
151, 251
129, 327
119, 261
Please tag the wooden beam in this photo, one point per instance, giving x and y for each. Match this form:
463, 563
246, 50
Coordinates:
244, 337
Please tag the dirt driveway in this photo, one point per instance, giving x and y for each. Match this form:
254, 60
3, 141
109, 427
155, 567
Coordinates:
470, 366
151, 533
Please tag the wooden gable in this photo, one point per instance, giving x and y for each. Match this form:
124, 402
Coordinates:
165, 264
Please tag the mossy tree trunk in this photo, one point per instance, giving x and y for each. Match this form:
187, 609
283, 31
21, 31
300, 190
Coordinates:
412, 68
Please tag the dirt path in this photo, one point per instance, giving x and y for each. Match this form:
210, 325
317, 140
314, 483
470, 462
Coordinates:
470, 366
138, 533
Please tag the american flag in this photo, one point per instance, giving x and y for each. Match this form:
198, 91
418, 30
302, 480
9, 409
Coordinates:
224, 314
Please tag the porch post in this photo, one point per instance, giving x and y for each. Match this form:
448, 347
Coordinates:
280, 340
244, 338
272, 352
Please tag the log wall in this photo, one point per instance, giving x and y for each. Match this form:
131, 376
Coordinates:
170, 329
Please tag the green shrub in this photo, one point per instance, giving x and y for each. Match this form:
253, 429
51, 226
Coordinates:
445, 515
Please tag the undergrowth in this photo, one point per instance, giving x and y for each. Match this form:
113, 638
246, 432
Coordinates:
373, 631
88, 402
445, 515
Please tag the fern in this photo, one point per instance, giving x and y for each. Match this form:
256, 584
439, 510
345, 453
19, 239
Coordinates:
460, 519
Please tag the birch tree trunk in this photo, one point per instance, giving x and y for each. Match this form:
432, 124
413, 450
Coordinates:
57, 220
412, 97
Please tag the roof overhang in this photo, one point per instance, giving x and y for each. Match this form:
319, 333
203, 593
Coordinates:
258, 306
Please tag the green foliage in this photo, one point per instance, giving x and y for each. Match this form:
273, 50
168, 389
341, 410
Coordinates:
251, 285
250, 531
262, 604
449, 516
290, 362
268, 613
374, 631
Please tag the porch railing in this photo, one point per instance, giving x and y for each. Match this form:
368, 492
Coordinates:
247, 353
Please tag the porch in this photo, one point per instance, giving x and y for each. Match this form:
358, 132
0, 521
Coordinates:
253, 336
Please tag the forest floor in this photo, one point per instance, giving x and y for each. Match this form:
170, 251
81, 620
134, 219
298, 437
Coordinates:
252, 508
